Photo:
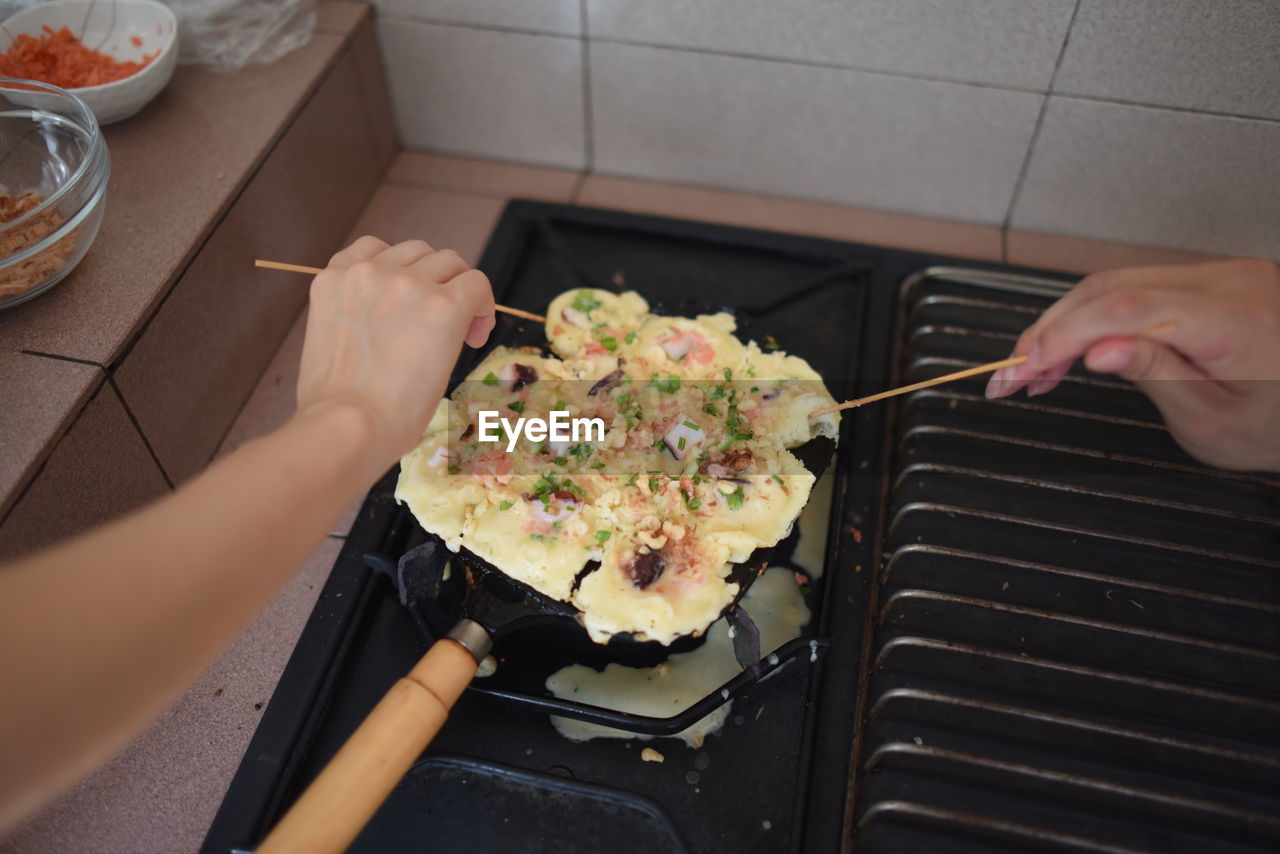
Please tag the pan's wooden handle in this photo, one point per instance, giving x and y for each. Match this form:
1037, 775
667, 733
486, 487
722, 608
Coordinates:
339, 802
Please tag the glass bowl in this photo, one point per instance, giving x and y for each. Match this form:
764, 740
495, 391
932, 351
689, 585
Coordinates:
54, 167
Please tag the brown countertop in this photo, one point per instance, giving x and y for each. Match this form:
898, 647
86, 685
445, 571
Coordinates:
177, 167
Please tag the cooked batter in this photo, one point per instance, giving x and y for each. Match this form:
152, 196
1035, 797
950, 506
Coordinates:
692, 476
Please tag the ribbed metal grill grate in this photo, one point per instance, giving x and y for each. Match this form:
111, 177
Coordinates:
1077, 643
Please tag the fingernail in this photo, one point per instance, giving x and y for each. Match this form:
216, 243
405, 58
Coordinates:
994, 385
1039, 385
1033, 356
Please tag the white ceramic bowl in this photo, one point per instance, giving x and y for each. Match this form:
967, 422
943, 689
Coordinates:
110, 26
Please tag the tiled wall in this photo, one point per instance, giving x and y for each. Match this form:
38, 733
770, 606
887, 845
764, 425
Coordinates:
1152, 122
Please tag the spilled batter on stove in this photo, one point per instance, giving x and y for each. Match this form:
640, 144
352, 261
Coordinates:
776, 606
638, 531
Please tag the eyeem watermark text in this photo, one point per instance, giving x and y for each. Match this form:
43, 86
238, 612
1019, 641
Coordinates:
559, 428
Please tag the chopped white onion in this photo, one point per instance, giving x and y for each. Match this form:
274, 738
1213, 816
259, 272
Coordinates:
558, 510
692, 437
677, 345
574, 317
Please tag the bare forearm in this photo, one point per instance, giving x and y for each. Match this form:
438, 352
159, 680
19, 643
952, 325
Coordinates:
98, 636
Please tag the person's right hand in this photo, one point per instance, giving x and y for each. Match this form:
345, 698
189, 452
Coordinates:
384, 330
1215, 377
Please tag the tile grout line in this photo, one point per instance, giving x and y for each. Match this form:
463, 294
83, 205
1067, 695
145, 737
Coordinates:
834, 66
575, 196
1035, 132
436, 22
58, 358
588, 118
410, 18
1121, 102
141, 435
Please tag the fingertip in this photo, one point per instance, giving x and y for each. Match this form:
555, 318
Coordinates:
479, 330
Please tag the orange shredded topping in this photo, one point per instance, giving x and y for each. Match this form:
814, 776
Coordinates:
59, 58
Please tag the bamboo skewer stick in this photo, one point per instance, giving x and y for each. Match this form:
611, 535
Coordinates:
313, 271
1161, 329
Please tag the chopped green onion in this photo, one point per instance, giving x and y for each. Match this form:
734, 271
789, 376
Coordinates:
515, 406
585, 302
735, 498
630, 337
491, 378
691, 425
559, 461
506, 505
680, 444
601, 536
670, 385
778, 478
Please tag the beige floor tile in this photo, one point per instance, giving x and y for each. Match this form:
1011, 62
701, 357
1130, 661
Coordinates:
443, 219
161, 792
483, 177
817, 220
1079, 255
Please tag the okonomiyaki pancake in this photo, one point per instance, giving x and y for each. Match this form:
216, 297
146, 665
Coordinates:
637, 525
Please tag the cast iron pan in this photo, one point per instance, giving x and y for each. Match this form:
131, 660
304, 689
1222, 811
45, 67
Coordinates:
340, 801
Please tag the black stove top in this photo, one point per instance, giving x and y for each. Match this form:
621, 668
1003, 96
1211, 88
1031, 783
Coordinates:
778, 776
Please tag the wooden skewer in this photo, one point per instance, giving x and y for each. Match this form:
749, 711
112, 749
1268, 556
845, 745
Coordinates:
1161, 329
298, 268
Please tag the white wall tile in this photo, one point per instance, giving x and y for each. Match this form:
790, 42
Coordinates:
894, 143
485, 93
1220, 55
545, 16
1000, 42
1156, 177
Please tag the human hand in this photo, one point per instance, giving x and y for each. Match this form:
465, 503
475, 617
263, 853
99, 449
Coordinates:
385, 327
1215, 375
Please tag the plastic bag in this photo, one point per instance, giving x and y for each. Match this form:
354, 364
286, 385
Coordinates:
227, 35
